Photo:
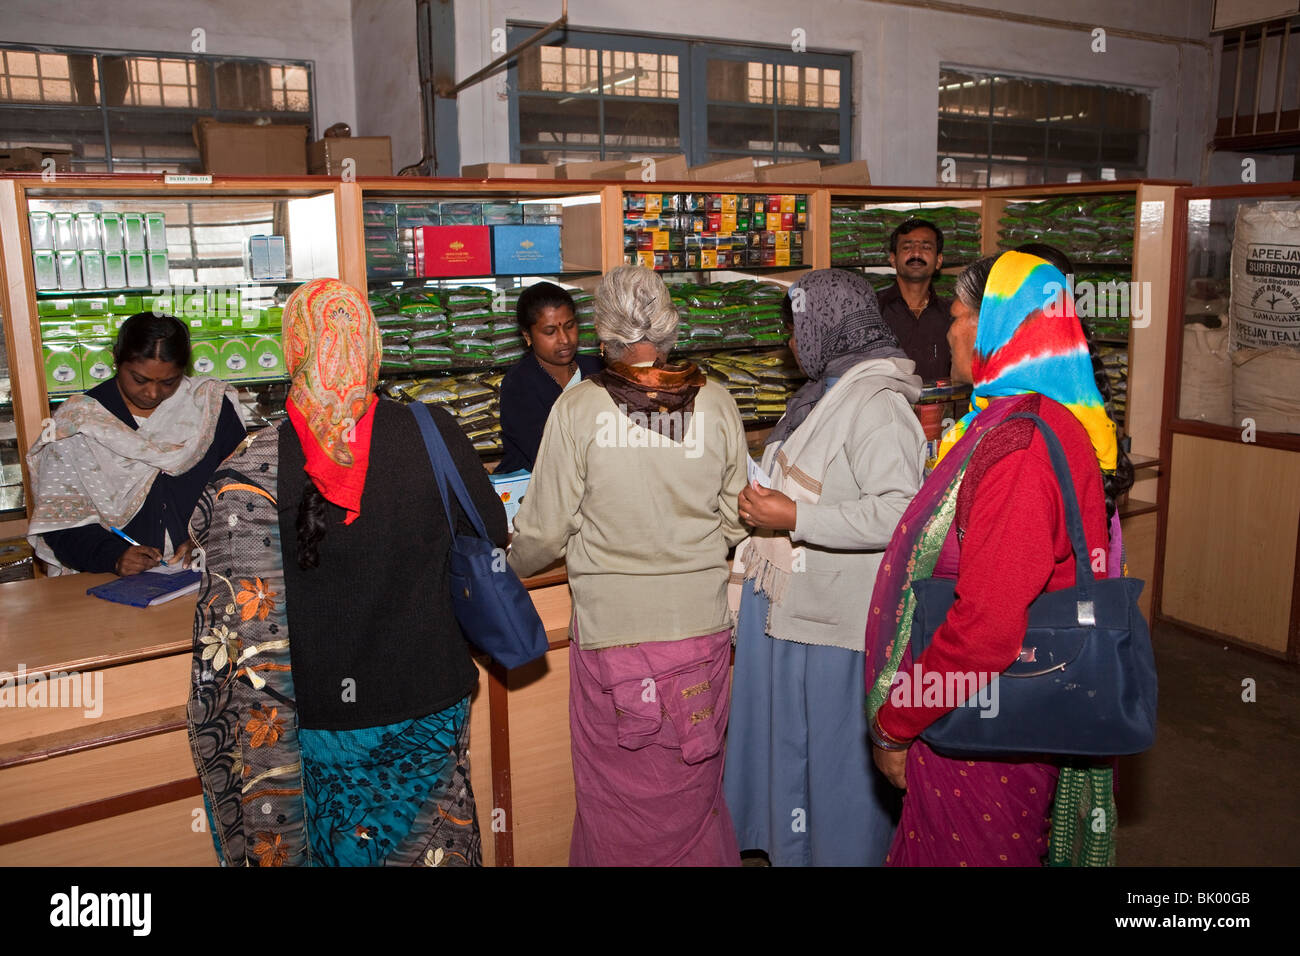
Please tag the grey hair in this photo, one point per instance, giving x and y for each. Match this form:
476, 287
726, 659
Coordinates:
972, 282
633, 305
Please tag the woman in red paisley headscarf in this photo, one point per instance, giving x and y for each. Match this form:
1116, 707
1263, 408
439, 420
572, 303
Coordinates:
329, 707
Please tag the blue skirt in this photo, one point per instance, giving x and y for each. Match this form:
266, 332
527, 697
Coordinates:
397, 795
799, 779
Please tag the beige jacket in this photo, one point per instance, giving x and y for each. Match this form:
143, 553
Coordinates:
876, 449
643, 522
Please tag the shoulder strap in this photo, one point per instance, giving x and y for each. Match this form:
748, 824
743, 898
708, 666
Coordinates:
1073, 516
444, 470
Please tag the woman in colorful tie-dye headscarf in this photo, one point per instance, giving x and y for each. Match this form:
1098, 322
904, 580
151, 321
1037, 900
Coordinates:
994, 521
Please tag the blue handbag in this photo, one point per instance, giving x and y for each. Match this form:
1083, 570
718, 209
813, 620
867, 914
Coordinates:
492, 606
1085, 681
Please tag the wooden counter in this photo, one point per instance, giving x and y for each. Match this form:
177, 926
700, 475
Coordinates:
107, 777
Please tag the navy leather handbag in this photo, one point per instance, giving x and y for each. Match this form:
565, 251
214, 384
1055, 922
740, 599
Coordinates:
492, 606
1085, 681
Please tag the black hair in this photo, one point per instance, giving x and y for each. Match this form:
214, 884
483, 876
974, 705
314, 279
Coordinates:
146, 335
543, 295
911, 225
1052, 254
311, 526
1120, 480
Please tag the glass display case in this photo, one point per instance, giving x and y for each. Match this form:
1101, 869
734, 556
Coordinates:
92, 251
1228, 558
224, 257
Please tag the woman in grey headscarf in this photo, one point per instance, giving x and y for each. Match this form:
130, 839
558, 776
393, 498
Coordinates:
844, 462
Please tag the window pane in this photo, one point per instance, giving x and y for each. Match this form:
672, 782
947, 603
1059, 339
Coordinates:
736, 81
963, 137
154, 81
568, 121
639, 74
1079, 145
1018, 141
262, 87
741, 127
962, 94
1014, 98
557, 154
30, 77
152, 141
649, 126
75, 129
559, 69
808, 131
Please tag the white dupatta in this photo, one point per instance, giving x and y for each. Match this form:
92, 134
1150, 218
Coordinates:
90, 467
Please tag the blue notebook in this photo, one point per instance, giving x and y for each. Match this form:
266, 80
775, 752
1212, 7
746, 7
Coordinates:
148, 588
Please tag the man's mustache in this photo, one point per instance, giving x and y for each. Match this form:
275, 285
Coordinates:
916, 259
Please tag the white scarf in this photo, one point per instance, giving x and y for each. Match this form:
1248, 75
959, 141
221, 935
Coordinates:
798, 467
90, 467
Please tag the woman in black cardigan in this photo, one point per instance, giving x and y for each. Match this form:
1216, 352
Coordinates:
550, 328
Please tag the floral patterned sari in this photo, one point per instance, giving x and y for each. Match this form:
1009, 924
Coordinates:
278, 795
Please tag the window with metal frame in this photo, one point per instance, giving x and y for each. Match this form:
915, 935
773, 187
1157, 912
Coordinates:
587, 95
130, 111
1001, 130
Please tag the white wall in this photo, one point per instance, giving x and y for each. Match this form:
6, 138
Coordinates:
317, 30
898, 50
386, 61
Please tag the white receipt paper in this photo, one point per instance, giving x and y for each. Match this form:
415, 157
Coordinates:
757, 476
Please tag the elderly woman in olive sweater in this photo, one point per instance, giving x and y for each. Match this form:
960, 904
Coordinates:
636, 485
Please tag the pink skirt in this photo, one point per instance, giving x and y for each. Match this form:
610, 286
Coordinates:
973, 812
648, 724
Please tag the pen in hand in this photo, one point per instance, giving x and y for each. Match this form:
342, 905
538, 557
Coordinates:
131, 541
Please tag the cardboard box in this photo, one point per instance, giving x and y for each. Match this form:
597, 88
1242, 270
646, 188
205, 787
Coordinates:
63, 367
63, 328
97, 362
508, 171
92, 327
242, 149
27, 159
607, 170
373, 155
55, 307
738, 170
123, 304
666, 169
526, 250
204, 355
847, 174
511, 488
453, 251
802, 171
266, 356
233, 359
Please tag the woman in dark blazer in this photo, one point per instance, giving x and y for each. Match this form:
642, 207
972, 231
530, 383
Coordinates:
550, 328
